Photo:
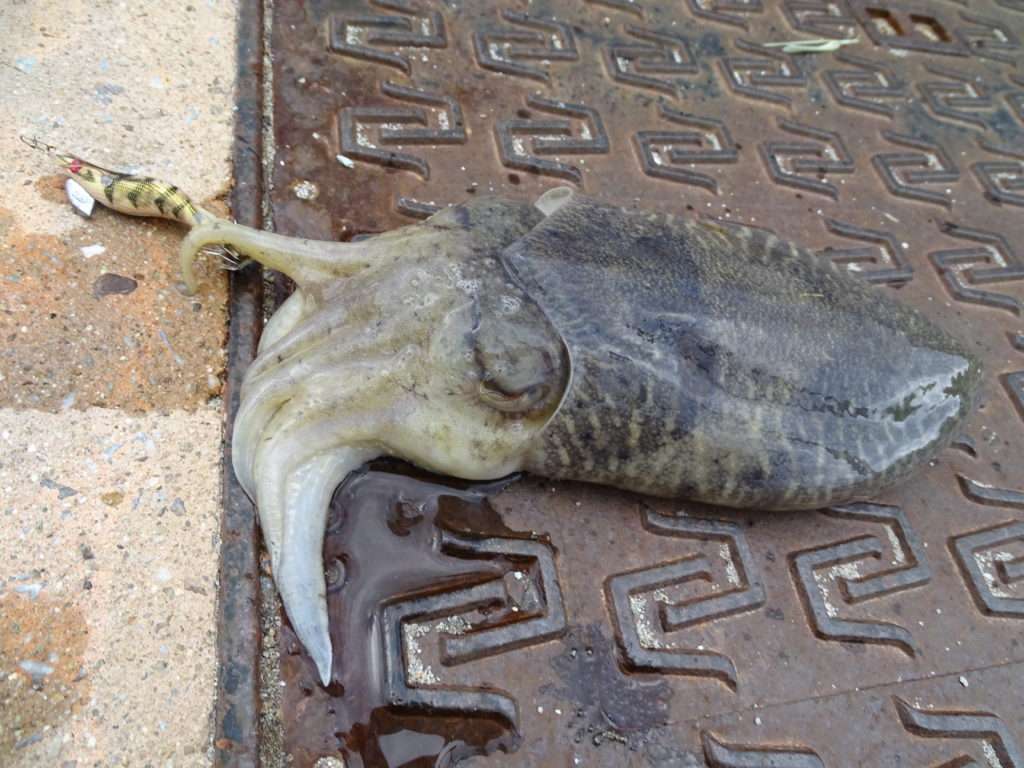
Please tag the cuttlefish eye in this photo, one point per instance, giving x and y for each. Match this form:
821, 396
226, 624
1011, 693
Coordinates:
515, 379
521, 367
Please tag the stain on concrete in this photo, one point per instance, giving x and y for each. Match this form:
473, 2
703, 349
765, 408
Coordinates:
42, 677
108, 566
145, 345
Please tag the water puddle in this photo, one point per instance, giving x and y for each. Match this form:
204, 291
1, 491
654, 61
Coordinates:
422, 578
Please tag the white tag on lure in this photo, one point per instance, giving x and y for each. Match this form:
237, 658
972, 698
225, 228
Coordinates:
81, 200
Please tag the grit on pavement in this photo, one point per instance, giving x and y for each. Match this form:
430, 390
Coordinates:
110, 418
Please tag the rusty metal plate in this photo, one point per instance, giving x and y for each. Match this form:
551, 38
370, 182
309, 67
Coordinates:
565, 624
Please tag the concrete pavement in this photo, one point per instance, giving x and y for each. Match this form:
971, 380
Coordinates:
110, 419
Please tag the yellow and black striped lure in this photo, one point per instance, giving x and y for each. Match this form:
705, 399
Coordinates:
133, 195
146, 196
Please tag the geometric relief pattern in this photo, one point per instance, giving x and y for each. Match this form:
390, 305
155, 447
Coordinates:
998, 747
355, 132
669, 155
757, 75
731, 12
835, 576
646, 613
990, 39
628, 6
990, 495
992, 559
826, 18
993, 260
868, 87
462, 621
372, 37
721, 755
905, 173
551, 136
1015, 99
1014, 381
881, 262
416, 209
658, 53
1002, 180
526, 49
956, 97
803, 164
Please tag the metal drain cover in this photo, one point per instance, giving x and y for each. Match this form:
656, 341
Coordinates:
591, 627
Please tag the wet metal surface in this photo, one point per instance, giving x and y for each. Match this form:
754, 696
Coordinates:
654, 633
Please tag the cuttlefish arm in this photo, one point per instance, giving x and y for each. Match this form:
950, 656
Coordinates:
302, 260
376, 353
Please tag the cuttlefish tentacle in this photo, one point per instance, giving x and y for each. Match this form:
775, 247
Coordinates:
308, 261
303, 371
287, 408
299, 570
304, 261
285, 320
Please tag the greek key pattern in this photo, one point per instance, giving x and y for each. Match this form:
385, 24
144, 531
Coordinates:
671, 155
551, 136
735, 13
824, 18
998, 746
991, 260
838, 573
527, 47
762, 72
644, 614
991, 559
1002, 180
373, 37
881, 262
917, 175
536, 605
956, 97
721, 755
803, 164
357, 142
989, 39
651, 62
870, 86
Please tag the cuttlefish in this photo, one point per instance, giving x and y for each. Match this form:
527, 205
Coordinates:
575, 340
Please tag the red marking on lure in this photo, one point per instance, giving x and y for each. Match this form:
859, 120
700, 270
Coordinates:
75, 166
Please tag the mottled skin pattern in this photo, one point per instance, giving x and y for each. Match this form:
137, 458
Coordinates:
724, 365
574, 340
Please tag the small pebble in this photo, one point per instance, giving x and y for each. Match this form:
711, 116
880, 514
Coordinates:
110, 283
112, 498
36, 668
92, 250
